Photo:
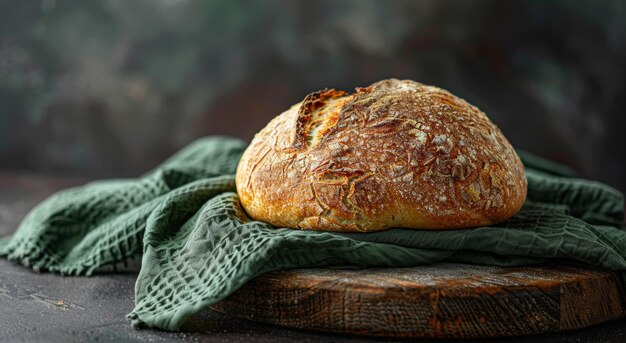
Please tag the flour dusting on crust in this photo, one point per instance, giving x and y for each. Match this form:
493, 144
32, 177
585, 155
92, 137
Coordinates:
394, 154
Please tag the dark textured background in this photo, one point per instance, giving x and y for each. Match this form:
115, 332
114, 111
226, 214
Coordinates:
110, 88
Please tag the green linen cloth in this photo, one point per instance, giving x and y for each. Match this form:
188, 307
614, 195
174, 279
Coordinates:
198, 246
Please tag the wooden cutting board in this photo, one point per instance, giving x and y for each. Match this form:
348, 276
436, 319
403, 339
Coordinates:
441, 300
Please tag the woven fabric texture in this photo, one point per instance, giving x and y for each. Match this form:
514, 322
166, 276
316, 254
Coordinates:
198, 246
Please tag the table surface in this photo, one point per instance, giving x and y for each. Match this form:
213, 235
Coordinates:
43, 307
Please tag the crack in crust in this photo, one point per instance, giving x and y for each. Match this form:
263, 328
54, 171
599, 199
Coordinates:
310, 119
395, 153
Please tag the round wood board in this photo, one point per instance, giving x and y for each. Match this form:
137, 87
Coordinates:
441, 300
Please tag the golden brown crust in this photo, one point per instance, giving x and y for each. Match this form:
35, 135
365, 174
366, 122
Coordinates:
394, 154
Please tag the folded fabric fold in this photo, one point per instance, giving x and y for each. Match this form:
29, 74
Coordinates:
198, 246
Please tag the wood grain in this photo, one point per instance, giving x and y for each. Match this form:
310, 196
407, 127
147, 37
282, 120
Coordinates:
441, 300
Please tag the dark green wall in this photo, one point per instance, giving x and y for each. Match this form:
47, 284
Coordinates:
109, 88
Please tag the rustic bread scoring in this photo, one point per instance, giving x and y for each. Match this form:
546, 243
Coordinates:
395, 154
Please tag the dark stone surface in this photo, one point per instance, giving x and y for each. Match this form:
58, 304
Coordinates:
43, 307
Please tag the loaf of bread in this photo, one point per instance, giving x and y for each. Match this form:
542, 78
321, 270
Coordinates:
394, 154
